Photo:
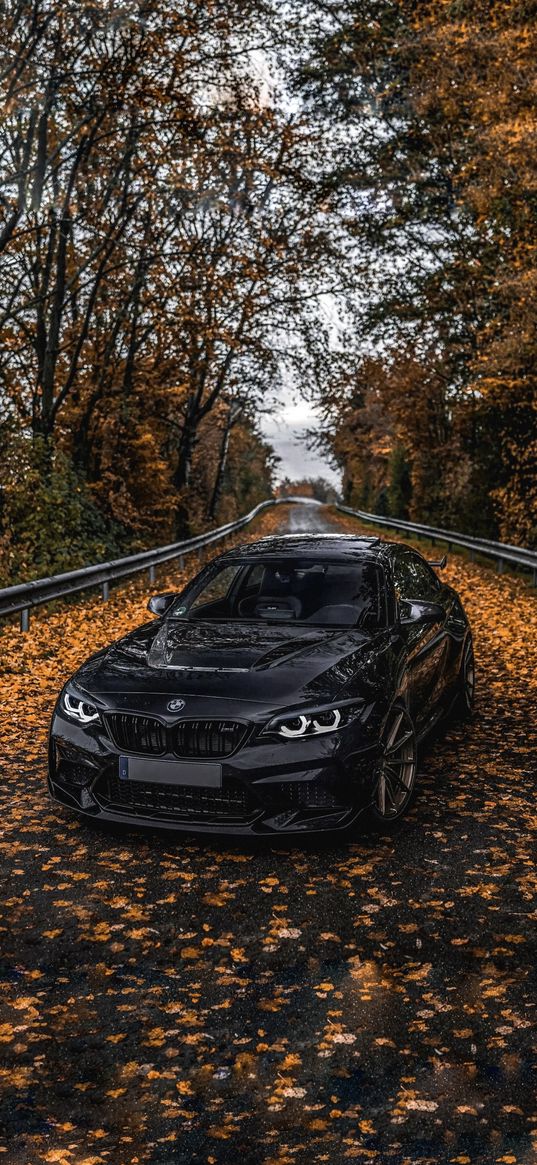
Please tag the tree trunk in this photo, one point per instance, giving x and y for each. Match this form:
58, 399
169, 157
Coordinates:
181, 477
222, 460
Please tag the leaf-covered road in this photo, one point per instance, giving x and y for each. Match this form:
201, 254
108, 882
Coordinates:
170, 1000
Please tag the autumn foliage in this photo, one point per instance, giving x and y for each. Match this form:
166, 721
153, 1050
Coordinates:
438, 419
206, 204
157, 232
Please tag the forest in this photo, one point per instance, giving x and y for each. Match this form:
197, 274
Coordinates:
208, 203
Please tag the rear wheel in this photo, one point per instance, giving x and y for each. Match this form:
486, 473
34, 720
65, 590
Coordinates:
397, 771
464, 703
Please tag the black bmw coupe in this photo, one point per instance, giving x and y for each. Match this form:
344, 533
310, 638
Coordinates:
285, 690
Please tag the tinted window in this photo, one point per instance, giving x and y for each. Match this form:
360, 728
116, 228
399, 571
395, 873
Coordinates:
345, 594
413, 578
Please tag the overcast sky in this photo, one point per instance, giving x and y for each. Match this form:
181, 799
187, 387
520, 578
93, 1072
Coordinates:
286, 430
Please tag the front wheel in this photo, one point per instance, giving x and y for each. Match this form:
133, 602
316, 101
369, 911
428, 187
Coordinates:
397, 770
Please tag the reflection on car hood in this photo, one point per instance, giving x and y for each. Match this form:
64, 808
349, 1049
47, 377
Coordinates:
230, 646
240, 661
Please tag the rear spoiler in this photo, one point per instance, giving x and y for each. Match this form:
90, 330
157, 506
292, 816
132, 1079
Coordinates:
441, 564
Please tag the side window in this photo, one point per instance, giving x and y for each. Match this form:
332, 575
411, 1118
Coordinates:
401, 576
413, 578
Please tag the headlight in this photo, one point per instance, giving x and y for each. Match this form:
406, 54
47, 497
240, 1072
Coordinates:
78, 708
313, 723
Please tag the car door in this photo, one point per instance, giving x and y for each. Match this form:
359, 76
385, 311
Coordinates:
427, 643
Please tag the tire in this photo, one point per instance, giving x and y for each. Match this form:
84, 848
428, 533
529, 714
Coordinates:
465, 695
396, 786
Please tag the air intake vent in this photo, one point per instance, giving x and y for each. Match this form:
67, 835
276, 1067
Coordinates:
174, 801
300, 795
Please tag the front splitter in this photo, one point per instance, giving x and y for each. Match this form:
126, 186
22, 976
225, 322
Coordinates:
261, 824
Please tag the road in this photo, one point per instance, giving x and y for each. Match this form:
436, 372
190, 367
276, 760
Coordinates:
306, 519
172, 1000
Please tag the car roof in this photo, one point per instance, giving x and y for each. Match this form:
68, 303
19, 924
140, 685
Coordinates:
322, 545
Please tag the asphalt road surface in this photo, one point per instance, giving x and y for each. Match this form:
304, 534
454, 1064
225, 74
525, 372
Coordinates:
173, 1000
309, 518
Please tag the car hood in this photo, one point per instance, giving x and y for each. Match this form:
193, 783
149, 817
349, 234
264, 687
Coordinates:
248, 662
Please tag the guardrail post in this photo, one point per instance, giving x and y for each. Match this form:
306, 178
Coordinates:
181, 562
151, 573
25, 619
106, 591
500, 566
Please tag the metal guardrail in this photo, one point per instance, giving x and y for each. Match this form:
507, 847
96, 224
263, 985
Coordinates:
501, 552
25, 596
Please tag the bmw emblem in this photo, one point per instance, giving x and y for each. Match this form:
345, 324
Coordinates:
176, 705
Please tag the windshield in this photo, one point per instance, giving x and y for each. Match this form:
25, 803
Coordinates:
320, 593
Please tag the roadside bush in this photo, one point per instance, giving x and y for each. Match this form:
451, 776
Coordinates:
48, 521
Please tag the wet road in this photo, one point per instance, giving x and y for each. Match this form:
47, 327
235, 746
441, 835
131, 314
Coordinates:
169, 1000
307, 519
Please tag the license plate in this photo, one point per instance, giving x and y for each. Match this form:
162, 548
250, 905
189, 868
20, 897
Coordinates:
170, 772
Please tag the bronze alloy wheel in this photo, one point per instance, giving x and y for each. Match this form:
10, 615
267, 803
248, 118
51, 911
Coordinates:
397, 775
465, 694
468, 678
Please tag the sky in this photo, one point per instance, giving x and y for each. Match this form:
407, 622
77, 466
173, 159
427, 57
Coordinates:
285, 429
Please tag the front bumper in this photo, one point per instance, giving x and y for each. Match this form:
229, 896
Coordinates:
268, 787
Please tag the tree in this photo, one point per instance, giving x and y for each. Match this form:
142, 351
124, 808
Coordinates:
166, 236
437, 104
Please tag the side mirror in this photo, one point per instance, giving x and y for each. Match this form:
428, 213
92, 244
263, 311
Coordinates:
159, 604
424, 613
